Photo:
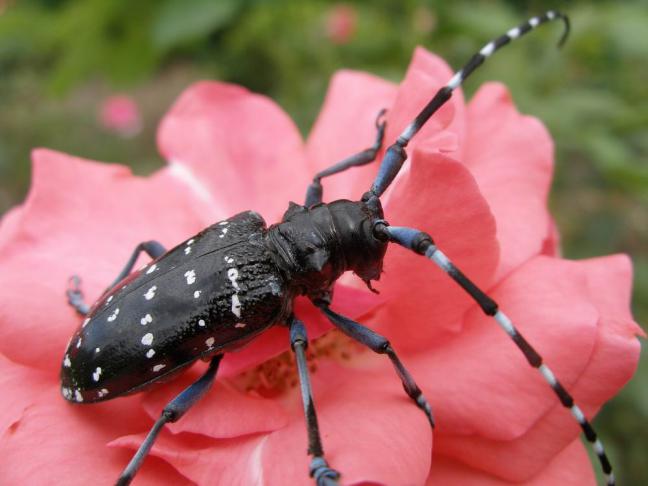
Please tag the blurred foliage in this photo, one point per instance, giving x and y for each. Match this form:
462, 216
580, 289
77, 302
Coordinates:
60, 58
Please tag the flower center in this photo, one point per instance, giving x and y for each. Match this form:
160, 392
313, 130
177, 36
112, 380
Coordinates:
278, 375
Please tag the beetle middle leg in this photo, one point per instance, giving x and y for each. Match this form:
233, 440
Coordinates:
314, 191
75, 294
173, 412
379, 344
319, 470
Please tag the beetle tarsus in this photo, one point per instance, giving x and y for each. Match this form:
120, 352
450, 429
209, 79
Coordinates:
322, 473
75, 295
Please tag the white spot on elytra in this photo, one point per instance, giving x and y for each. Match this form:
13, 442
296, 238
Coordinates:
223, 223
150, 353
110, 297
147, 339
197, 294
150, 293
222, 235
85, 322
78, 345
66, 362
187, 250
151, 269
146, 319
233, 274
67, 393
158, 367
96, 374
190, 242
201, 323
534, 21
78, 396
114, 315
103, 392
228, 259
190, 276
97, 350
236, 305
210, 342
240, 325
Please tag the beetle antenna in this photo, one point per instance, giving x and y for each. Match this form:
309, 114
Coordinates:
422, 243
395, 155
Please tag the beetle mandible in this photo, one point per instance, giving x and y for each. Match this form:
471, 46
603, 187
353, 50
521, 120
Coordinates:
255, 272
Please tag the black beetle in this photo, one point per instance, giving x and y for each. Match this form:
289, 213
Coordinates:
219, 289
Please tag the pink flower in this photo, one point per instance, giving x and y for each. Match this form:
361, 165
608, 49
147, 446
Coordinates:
120, 114
341, 23
477, 180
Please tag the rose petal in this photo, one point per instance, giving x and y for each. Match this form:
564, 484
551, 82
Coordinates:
571, 467
236, 148
582, 367
438, 196
54, 442
511, 157
218, 414
344, 127
426, 74
92, 235
349, 405
21, 387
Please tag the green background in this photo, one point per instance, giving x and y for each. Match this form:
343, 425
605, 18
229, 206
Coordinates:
60, 58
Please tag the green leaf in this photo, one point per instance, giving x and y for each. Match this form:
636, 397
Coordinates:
179, 22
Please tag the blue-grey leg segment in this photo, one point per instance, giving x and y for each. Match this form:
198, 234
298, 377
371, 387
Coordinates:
314, 191
75, 294
396, 155
381, 345
151, 248
422, 243
319, 470
174, 410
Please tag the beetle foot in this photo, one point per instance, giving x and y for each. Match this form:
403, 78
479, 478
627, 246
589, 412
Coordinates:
322, 474
75, 295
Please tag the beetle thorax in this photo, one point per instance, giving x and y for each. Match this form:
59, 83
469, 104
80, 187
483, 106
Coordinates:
315, 245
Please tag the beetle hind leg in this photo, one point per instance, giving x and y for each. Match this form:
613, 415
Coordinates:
319, 468
174, 410
75, 294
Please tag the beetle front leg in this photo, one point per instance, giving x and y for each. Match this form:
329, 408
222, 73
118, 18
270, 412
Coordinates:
173, 412
75, 294
379, 344
314, 191
319, 470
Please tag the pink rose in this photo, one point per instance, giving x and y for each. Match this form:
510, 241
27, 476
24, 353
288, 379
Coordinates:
341, 23
120, 114
477, 180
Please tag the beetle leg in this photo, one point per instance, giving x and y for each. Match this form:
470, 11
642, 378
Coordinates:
151, 248
314, 191
319, 470
75, 294
379, 344
174, 410
422, 243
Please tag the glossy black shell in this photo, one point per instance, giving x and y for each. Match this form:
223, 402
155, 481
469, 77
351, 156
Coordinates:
212, 293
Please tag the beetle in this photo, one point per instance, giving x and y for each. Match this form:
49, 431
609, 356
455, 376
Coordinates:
221, 288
